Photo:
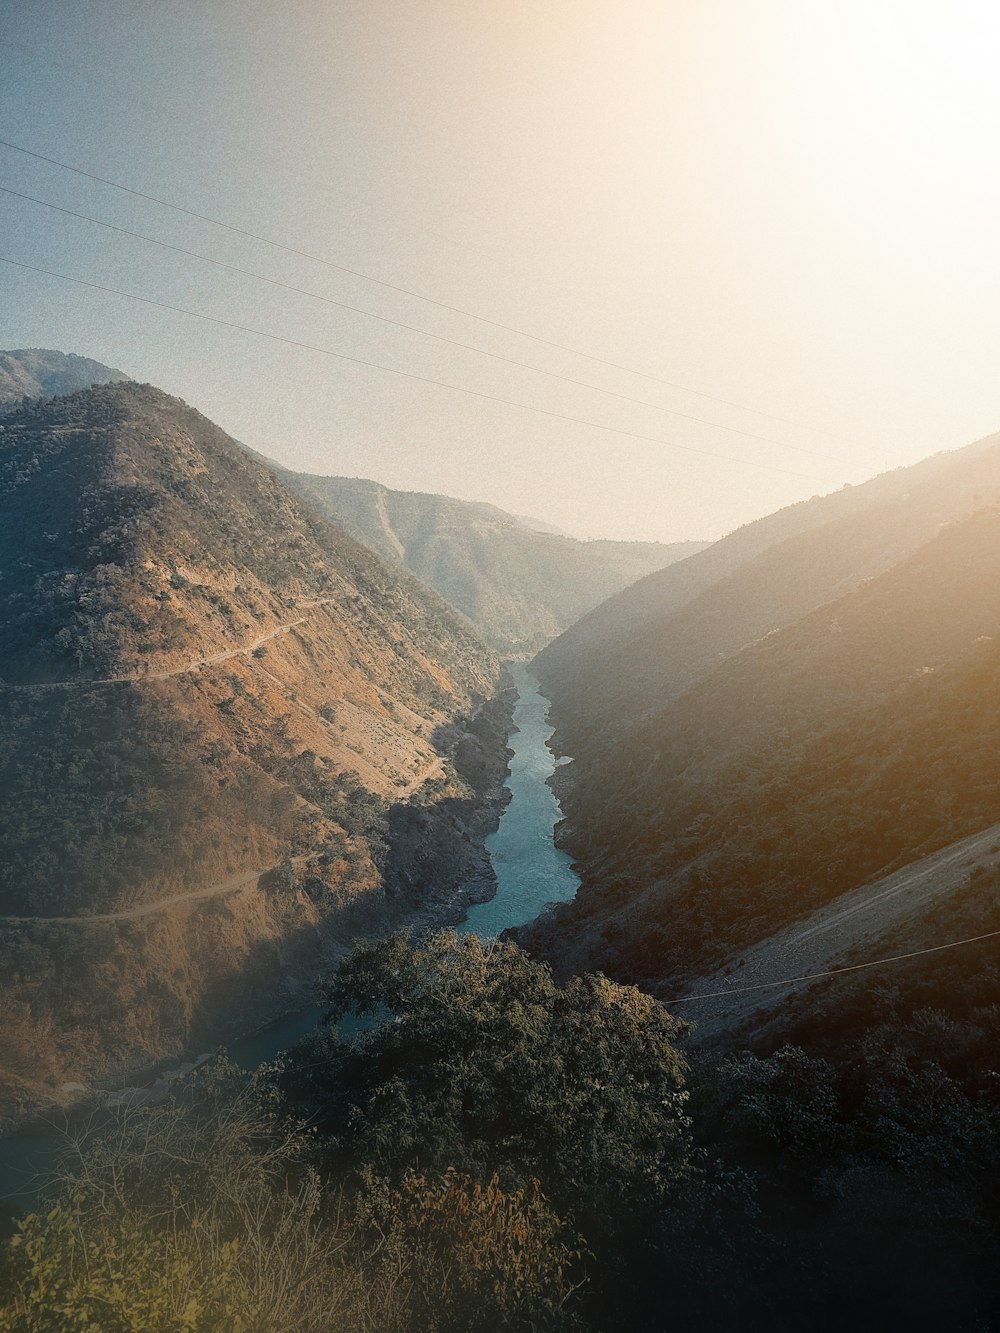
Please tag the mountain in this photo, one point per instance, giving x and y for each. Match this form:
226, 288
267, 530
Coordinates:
539, 525
219, 715
38, 373
821, 714
518, 580
652, 641
519, 586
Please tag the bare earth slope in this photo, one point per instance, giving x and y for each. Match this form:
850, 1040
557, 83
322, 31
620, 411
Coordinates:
519, 586
201, 679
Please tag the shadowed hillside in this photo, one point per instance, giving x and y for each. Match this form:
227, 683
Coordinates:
855, 739
648, 644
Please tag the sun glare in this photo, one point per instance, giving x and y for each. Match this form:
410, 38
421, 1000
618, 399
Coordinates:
913, 83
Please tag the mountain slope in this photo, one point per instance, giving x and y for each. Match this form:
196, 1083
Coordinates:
654, 640
202, 680
40, 373
851, 742
518, 585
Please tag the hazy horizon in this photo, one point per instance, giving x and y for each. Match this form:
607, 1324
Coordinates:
786, 206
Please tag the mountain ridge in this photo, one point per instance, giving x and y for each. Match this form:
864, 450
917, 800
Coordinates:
664, 633
38, 372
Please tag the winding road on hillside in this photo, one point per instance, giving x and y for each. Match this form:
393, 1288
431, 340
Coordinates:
248, 879
244, 650
830, 938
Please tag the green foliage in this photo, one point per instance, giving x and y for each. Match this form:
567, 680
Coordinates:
879, 1172
123, 1276
480, 1062
191, 1217
204, 1216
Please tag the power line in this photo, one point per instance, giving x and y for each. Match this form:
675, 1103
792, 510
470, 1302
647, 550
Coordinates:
327, 186
367, 277
399, 324
832, 972
404, 374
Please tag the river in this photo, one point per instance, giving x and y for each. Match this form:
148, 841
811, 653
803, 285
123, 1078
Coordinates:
531, 873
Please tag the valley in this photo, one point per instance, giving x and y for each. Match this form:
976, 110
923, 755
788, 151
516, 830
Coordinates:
519, 586
757, 838
529, 874
499, 667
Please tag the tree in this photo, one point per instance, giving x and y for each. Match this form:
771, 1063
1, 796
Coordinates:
476, 1060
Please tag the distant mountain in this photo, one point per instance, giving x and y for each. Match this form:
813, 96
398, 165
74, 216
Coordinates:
518, 585
202, 681
822, 713
539, 525
38, 373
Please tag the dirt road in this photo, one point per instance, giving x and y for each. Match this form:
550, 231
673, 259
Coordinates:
247, 880
857, 921
245, 650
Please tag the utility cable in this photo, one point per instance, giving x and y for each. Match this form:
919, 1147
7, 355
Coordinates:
399, 324
832, 972
367, 277
403, 374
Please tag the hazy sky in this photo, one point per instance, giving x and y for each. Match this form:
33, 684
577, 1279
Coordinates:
790, 204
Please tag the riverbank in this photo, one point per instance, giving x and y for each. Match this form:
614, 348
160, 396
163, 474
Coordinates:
176, 983
483, 869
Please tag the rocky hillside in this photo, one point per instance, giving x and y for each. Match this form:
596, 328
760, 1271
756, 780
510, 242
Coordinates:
520, 586
854, 734
36, 372
203, 682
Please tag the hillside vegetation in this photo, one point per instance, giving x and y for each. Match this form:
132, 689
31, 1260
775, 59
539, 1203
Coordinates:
519, 586
201, 679
497, 1151
781, 717
755, 734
